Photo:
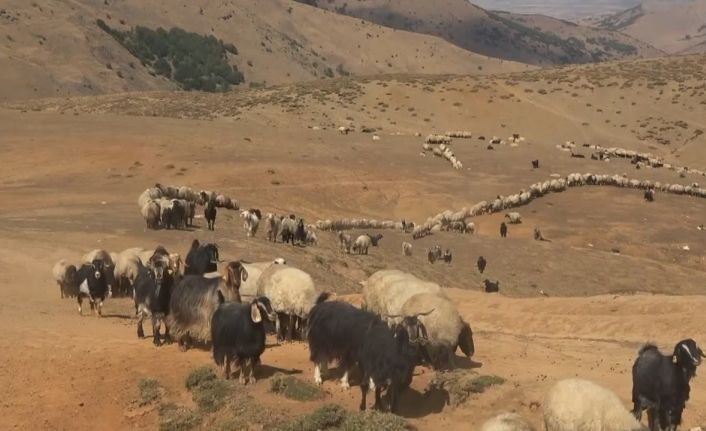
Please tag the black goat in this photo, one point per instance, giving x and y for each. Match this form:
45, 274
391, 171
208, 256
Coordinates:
535, 164
434, 254
387, 359
375, 238
660, 383
650, 195
201, 259
299, 233
447, 256
238, 334
93, 283
491, 286
481, 263
336, 332
503, 230
152, 292
210, 214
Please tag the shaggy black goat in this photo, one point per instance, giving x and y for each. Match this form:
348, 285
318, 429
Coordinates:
238, 334
336, 332
650, 195
503, 230
201, 259
660, 383
491, 286
387, 359
535, 164
481, 263
209, 214
152, 292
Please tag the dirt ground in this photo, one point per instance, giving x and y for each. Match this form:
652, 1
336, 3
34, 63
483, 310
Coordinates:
70, 183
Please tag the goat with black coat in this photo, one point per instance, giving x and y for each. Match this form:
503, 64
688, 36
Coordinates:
209, 214
660, 383
152, 292
387, 359
93, 283
201, 259
238, 334
336, 332
299, 233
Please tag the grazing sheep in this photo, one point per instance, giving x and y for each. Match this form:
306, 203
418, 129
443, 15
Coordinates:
406, 249
514, 217
507, 422
444, 327
362, 244
238, 334
194, 300
481, 263
345, 242
65, 276
503, 230
576, 404
434, 254
274, 224
660, 383
491, 286
292, 294
150, 212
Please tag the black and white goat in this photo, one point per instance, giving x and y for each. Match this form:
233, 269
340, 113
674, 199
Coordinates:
660, 383
93, 283
238, 334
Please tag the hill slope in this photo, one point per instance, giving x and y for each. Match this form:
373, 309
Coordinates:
530, 39
55, 48
676, 27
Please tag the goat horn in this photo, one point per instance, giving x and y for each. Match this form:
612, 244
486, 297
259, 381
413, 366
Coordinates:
425, 314
392, 316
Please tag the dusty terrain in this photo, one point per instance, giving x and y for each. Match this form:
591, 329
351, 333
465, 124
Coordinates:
71, 178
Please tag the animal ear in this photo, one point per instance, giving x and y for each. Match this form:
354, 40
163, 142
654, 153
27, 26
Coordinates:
255, 313
243, 273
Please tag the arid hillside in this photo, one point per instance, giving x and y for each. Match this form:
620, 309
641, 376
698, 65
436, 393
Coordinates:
676, 27
615, 271
56, 48
530, 39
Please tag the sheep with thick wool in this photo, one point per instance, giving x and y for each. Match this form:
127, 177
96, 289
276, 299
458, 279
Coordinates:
507, 422
576, 404
446, 330
292, 293
386, 293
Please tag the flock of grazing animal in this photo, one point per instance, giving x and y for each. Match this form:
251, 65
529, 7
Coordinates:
404, 322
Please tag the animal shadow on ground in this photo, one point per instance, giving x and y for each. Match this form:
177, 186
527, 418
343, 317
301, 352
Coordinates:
414, 404
265, 371
466, 363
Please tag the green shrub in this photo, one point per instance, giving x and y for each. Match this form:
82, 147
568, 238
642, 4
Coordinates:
294, 388
198, 376
150, 391
194, 61
173, 418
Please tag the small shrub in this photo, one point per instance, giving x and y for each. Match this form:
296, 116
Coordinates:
210, 395
198, 376
173, 418
334, 417
295, 389
150, 390
460, 384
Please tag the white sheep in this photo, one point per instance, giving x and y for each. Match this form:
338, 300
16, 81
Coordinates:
311, 238
292, 294
64, 275
100, 255
446, 330
385, 292
507, 422
250, 223
345, 242
248, 286
151, 213
514, 217
126, 268
343, 130
406, 248
362, 244
576, 404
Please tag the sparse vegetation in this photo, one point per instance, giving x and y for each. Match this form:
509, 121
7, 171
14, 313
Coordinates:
461, 384
150, 391
334, 417
295, 389
194, 61
173, 418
